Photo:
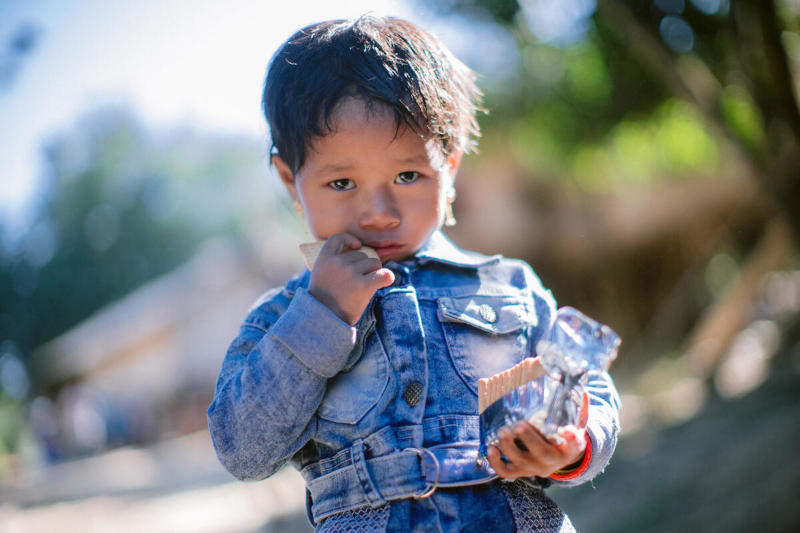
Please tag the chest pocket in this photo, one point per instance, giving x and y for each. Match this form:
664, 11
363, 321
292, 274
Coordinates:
486, 334
357, 389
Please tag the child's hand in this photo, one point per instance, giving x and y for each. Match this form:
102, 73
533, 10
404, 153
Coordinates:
531, 454
344, 279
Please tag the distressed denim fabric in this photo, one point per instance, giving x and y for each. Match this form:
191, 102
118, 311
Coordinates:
377, 415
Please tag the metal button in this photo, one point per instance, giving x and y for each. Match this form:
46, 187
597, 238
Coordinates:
413, 393
487, 313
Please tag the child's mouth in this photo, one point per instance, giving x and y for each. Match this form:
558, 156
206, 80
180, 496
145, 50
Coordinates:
386, 249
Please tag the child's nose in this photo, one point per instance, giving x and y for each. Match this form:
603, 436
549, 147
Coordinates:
379, 211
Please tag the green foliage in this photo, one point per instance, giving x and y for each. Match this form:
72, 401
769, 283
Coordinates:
743, 117
580, 114
561, 100
602, 110
673, 141
587, 77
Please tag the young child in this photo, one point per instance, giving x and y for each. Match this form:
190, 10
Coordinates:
362, 373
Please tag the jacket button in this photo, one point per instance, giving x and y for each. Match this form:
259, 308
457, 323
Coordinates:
487, 313
413, 393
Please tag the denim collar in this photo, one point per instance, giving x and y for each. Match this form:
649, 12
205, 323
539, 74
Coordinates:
440, 249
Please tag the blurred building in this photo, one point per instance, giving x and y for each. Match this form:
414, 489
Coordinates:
144, 367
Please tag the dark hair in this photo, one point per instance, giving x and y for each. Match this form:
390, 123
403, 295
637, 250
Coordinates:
384, 60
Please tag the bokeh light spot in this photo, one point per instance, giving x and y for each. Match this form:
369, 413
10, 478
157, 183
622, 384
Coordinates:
558, 23
677, 33
711, 7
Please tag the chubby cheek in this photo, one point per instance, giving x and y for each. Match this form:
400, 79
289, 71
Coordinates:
324, 221
318, 225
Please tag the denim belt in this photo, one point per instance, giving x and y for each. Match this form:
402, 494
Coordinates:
409, 473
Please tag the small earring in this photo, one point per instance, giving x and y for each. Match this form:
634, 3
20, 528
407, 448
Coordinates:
449, 217
298, 208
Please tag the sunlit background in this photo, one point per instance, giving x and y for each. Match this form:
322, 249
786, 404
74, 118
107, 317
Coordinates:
642, 155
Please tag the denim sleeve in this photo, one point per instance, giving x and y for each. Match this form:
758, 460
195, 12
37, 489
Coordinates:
602, 427
603, 424
272, 381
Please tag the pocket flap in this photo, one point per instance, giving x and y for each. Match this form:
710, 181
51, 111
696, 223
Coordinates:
492, 314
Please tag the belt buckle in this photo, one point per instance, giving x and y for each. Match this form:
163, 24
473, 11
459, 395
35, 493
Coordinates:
421, 453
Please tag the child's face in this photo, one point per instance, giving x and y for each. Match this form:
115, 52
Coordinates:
386, 187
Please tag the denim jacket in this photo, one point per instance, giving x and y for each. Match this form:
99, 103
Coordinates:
386, 411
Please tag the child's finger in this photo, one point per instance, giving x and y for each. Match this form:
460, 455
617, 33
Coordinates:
524, 446
500, 467
382, 277
508, 447
529, 439
537, 444
341, 242
360, 258
542, 453
573, 445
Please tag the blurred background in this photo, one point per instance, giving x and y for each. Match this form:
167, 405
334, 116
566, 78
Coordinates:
642, 155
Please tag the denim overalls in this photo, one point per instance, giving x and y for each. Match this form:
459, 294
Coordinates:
381, 418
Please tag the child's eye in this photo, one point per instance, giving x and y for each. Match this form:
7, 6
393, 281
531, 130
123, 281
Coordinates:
407, 177
342, 184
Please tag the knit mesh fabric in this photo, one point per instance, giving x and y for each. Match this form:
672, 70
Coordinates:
360, 520
534, 512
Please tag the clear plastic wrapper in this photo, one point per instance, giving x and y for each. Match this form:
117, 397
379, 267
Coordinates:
574, 346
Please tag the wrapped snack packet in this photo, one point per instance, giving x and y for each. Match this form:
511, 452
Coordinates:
310, 251
574, 345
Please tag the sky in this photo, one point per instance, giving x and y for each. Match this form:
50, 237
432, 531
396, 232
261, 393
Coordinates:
173, 63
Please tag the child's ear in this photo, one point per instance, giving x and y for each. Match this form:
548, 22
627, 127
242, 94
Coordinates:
286, 175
